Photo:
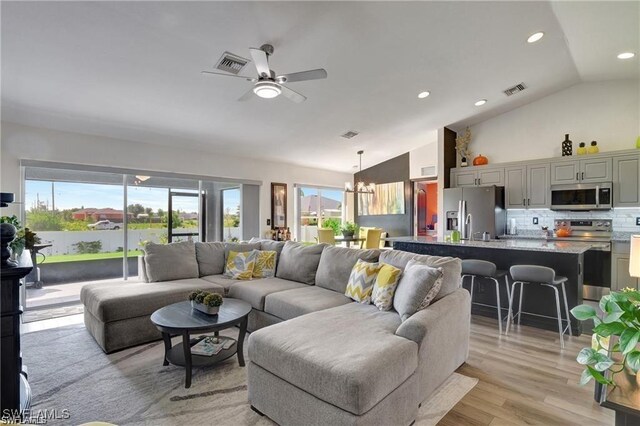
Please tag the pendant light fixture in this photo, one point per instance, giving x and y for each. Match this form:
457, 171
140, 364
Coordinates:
360, 187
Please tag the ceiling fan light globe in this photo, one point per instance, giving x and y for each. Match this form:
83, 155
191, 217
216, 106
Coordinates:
267, 90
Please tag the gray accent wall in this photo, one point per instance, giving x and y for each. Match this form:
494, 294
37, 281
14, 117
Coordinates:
394, 170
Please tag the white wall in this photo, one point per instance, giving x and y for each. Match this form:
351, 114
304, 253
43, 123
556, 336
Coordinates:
23, 142
424, 156
607, 112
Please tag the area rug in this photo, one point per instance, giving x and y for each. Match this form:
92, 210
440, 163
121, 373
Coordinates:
68, 371
40, 314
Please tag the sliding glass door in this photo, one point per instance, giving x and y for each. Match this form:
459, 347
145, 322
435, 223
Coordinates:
314, 206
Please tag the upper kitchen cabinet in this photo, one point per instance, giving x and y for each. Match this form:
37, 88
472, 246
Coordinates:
626, 181
527, 186
588, 170
478, 176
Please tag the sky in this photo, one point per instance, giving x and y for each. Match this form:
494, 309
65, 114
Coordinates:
76, 195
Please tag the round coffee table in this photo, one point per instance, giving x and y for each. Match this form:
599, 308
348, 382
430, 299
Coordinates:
181, 319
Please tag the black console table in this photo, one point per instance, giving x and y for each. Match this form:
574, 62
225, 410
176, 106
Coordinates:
15, 394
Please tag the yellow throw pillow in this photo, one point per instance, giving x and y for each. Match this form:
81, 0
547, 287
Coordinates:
361, 280
240, 266
265, 266
385, 287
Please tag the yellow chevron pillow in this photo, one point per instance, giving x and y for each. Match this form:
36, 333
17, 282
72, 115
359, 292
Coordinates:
385, 286
240, 265
361, 280
265, 266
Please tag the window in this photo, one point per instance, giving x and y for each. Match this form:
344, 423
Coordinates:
231, 214
315, 205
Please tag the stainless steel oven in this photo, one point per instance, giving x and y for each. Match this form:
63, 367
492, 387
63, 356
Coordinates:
582, 196
597, 260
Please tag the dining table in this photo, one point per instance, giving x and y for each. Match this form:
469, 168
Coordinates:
349, 240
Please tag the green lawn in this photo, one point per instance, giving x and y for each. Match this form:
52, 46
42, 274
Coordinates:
59, 258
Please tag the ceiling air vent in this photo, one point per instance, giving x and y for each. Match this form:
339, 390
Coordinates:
231, 63
515, 89
350, 134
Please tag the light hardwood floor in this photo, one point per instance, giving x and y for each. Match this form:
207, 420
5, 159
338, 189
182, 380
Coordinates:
525, 379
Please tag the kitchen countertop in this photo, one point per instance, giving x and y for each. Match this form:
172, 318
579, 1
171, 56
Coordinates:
527, 244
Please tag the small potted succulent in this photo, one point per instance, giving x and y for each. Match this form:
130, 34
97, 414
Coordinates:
349, 229
206, 302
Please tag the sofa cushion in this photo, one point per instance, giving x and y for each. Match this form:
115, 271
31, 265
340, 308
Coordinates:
385, 286
363, 276
451, 267
336, 264
239, 266
300, 301
269, 245
221, 280
175, 261
299, 262
417, 288
210, 257
123, 300
347, 356
239, 248
255, 291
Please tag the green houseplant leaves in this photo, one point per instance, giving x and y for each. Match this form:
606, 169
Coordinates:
620, 318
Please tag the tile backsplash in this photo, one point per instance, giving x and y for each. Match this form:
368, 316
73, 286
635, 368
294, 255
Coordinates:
624, 220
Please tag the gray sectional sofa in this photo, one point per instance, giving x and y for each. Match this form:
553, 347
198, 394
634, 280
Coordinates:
316, 357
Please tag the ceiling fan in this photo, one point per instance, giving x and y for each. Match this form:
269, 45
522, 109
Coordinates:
268, 85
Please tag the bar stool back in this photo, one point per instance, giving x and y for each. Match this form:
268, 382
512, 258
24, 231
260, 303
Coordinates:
483, 269
541, 275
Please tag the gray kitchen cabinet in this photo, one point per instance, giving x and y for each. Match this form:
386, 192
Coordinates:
527, 186
586, 170
626, 181
491, 177
538, 186
515, 187
620, 277
594, 170
475, 177
462, 179
565, 172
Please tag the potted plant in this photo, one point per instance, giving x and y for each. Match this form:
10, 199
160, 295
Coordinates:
332, 223
620, 319
349, 229
25, 238
206, 302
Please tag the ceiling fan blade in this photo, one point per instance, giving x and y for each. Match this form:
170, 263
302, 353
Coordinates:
303, 76
292, 95
261, 62
230, 75
248, 95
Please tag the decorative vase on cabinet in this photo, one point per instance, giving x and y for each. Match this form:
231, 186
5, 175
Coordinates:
567, 146
582, 149
593, 149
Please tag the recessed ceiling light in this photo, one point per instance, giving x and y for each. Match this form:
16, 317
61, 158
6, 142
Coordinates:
423, 95
481, 102
535, 37
626, 55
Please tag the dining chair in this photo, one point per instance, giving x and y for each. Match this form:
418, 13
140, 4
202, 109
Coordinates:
372, 240
326, 236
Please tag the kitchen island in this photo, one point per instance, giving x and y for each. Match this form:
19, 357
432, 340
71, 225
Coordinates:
565, 257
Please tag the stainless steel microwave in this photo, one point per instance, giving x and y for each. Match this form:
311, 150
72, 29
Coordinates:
582, 196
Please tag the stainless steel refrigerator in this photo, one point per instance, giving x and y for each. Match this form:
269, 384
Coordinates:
475, 210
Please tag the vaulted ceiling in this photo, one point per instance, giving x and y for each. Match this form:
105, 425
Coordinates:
131, 70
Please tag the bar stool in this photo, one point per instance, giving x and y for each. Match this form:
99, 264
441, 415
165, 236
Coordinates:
483, 269
533, 274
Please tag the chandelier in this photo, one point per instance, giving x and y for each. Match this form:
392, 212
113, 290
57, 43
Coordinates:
360, 186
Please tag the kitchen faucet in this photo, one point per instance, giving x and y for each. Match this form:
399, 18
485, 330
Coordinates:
469, 221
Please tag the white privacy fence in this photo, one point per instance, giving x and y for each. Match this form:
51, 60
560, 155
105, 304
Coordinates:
63, 241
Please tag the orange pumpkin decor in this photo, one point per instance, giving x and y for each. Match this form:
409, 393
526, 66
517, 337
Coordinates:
480, 160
